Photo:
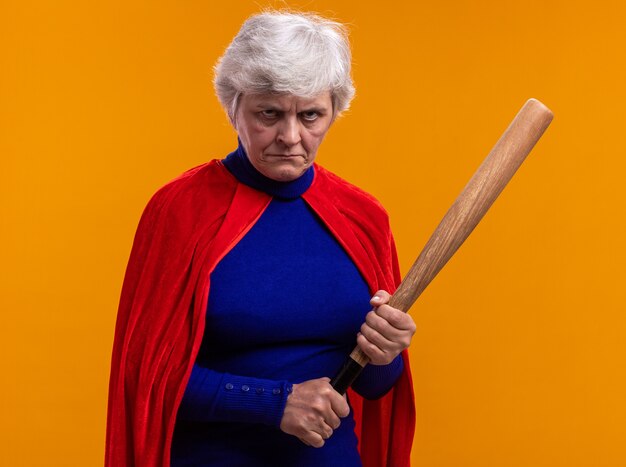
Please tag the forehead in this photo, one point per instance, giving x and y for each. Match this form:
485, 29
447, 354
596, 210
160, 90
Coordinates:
286, 101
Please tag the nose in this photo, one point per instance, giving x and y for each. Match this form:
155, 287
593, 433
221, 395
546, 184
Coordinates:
289, 132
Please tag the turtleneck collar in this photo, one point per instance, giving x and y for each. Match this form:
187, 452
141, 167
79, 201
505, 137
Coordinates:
239, 165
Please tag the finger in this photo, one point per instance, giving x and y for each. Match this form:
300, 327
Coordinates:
396, 318
325, 431
340, 407
380, 298
383, 327
332, 418
382, 342
381, 333
330, 404
375, 354
314, 439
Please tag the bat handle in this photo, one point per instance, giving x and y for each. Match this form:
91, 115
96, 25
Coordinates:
350, 371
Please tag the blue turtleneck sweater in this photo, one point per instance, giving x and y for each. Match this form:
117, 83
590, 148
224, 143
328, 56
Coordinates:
285, 306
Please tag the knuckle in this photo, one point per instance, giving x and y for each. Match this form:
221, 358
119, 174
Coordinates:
309, 419
317, 407
374, 354
395, 317
369, 348
380, 311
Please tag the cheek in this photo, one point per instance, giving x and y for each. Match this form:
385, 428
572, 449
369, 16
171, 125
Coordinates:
260, 138
314, 139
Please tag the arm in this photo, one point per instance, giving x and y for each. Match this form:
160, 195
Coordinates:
310, 410
213, 396
376, 380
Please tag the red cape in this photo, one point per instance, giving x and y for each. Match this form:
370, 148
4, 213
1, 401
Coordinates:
187, 227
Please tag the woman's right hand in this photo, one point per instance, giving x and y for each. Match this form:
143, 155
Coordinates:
313, 411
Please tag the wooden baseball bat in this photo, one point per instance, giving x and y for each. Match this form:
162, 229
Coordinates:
462, 217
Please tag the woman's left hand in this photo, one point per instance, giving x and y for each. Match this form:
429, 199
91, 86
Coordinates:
386, 332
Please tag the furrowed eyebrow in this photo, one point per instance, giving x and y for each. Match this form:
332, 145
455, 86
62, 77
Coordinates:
268, 107
277, 108
268, 103
319, 110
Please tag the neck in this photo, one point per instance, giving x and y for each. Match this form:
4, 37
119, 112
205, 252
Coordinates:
239, 165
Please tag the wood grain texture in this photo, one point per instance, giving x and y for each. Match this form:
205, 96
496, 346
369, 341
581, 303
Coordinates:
476, 198
471, 205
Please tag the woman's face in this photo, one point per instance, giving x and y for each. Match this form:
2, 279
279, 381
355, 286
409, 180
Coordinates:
281, 132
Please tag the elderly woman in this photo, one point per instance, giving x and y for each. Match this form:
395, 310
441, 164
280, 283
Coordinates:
251, 278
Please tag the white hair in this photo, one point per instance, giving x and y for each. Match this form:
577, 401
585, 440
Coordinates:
286, 53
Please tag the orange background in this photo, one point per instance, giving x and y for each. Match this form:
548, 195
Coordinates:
519, 359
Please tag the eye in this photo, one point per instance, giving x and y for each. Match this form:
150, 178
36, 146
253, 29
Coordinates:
269, 114
310, 115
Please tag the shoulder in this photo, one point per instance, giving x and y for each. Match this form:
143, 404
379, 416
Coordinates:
205, 179
350, 199
197, 196
210, 181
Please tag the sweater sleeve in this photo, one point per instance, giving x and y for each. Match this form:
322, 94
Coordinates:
376, 380
213, 396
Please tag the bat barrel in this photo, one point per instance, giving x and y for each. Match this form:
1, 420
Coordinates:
476, 198
468, 209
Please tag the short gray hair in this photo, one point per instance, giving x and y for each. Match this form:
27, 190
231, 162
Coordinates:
286, 53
